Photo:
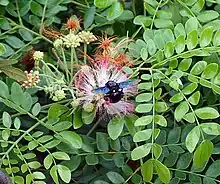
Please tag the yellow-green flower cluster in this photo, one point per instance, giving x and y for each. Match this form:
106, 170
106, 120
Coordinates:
71, 40
59, 95
87, 37
38, 56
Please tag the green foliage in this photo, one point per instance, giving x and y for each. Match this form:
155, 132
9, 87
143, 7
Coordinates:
173, 135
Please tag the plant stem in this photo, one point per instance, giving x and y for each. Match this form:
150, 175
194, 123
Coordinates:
85, 51
43, 16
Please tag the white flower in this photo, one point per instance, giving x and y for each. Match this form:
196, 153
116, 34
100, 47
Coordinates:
38, 55
71, 40
90, 78
87, 37
58, 43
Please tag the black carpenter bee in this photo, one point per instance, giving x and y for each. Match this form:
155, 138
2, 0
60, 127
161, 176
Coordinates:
113, 91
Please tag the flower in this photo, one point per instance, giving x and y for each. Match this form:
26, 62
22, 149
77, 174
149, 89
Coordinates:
73, 23
38, 56
58, 43
32, 79
105, 44
71, 40
89, 78
59, 95
87, 37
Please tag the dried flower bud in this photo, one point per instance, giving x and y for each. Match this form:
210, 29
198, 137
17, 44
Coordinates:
32, 79
72, 40
38, 55
87, 37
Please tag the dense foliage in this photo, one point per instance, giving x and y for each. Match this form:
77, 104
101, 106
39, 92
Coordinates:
174, 134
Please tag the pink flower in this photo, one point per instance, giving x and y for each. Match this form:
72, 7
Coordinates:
89, 78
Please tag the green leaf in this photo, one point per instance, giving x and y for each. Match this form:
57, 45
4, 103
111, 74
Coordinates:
157, 150
64, 173
147, 170
34, 165
210, 71
168, 50
144, 97
174, 135
216, 39
176, 98
26, 35
194, 98
126, 15
14, 73
92, 159
115, 127
212, 172
77, 118
103, 4
161, 106
207, 16
190, 117
162, 171
36, 109
61, 155
144, 108
179, 30
14, 42
198, 6
115, 11
142, 20
198, 68
89, 16
185, 64
192, 139
191, 24
39, 175
159, 41
144, 53
180, 44
141, 151
151, 47
184, 160
17, 94
181, 110
192, 39
2, 49
163, 23
190, 88
36, 8
115, 177
48, 161
142, 135
144, 120
203, 153
211, 128
6, 119
61, 126
73, 163
206, 36
56, 110
160, 120
17, 123
102, 142
4, 2
207, 113
72, 139
53, 173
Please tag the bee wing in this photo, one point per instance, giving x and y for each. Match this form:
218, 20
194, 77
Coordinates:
101, 90
127, 83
